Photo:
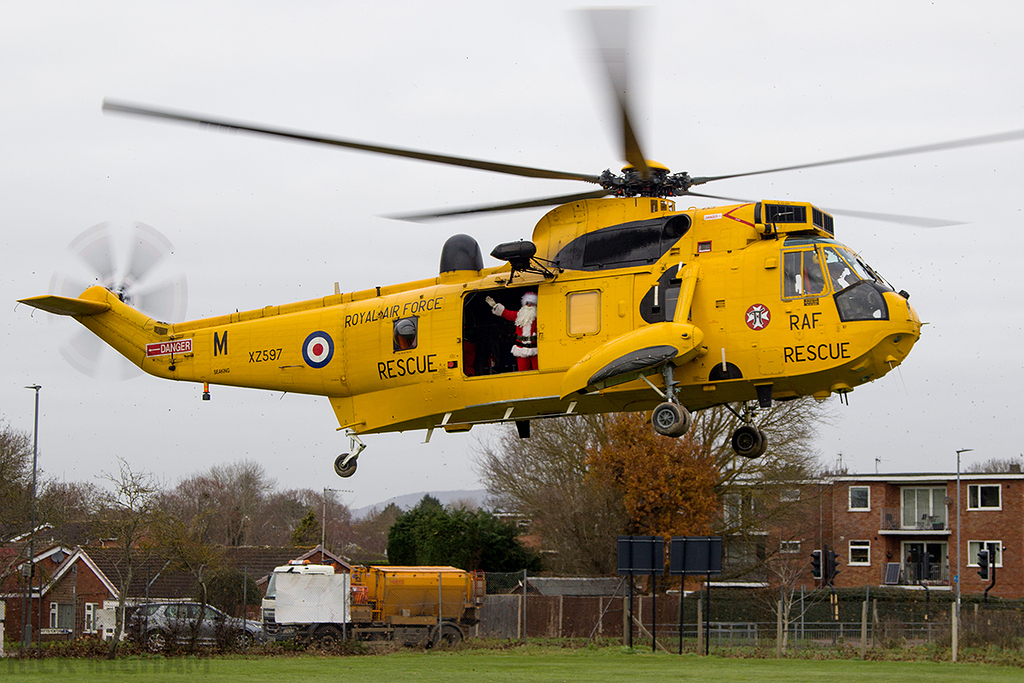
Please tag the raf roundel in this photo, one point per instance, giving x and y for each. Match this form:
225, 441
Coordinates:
318, 349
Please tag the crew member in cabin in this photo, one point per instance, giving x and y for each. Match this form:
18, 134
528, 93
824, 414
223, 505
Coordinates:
525, 349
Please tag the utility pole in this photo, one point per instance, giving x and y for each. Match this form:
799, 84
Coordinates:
323, 518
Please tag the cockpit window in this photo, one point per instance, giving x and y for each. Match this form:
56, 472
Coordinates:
802, 273
840, 271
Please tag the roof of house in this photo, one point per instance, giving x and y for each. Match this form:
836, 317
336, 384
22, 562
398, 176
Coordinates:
155, 569
577, 586
915, 477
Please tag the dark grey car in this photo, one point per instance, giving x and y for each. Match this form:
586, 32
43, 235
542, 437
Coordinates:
160, 624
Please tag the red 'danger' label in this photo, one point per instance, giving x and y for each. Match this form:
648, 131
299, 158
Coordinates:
169, 347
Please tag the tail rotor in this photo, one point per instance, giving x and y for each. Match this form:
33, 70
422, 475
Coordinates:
133, 260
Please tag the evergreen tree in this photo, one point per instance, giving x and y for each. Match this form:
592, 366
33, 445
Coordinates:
428, 534
308, 530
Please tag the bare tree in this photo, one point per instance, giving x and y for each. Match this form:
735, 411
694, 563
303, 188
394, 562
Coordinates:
369, 535
186, 540
548, 481
231, 499
126, 515
1011, 465
15, 478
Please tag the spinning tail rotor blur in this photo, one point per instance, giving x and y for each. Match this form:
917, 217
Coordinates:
133, 260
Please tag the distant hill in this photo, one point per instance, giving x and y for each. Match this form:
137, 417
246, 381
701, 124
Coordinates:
409, 500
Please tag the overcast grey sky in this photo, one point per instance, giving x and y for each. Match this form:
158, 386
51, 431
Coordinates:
722, 87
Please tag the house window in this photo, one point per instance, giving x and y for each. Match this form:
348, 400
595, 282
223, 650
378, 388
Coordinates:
995, 550
740, 510
924, 508
789, 495
89, 625
860, 498
789, 547
983, 497
860, 553
62, 616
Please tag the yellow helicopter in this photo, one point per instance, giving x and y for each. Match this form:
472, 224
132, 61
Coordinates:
618, 302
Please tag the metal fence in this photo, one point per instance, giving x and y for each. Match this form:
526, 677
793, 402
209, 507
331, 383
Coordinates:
869, 617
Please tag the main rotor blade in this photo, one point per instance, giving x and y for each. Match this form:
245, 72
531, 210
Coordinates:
918, 221
186, 117
1008, 136
611, 32
529, 204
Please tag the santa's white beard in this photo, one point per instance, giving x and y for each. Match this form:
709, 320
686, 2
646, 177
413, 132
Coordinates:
525, 317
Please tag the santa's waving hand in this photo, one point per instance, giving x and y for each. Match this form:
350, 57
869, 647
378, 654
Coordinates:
525, 319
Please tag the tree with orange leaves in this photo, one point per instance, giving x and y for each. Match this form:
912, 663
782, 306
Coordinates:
667, 486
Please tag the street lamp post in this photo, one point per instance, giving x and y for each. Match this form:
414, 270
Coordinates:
27, 617
959, 543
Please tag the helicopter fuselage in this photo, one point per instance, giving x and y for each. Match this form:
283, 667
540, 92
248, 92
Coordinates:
753, 301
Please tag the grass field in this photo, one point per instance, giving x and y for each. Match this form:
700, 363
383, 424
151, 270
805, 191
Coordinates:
520, 665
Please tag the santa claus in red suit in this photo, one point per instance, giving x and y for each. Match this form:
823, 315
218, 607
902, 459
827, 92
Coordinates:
525, 349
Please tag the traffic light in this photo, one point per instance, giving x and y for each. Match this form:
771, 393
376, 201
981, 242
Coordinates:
983, 564
831, 566
816, 564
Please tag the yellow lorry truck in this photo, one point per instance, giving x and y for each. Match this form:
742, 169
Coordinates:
422, 606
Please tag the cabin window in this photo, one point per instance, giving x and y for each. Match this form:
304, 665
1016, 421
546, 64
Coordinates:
802, 274
405, 333
637, 243
840, 273
862, 301
583, 313
659, 303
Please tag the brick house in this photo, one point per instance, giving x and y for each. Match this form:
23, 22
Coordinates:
73, 589
887, 529
901, 529
77, 583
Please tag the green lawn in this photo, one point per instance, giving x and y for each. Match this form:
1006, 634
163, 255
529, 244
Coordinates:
519, 665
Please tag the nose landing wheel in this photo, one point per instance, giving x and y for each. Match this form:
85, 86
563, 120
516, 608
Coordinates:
671, 419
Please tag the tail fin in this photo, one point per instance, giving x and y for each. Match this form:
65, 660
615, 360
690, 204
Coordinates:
105, 315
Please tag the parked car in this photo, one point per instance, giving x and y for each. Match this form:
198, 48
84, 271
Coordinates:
161, 624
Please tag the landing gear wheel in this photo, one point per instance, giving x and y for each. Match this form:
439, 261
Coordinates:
671, 419
749, 441
344, 465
